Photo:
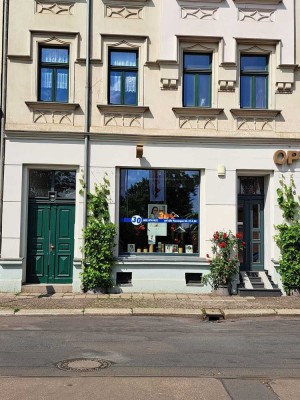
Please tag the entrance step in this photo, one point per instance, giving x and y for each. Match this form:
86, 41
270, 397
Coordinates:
258, 284
48, 289
260, 292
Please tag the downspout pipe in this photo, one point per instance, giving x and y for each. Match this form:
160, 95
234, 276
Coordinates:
3, 109
87, 110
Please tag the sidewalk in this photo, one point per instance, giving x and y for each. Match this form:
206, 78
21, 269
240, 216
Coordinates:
189, 305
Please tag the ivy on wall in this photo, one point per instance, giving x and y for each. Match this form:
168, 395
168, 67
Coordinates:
99, 240
288, 235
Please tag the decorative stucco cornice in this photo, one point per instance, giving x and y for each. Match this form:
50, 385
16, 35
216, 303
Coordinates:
196, 111
135, 138
288, 66
122, 109
261, 2
122, 2
257, 41
199, 39
253, 112
53, 33
197, 1
49, 105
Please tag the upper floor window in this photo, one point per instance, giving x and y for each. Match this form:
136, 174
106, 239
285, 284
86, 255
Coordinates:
254, 81
197, 80
54, 74
123, 76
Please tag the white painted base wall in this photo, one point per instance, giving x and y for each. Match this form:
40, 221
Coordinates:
160, 278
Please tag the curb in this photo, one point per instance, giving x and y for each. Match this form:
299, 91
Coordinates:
7, 312
237, 313
286, 312
156, 312
167, 312
108, 311
48, 312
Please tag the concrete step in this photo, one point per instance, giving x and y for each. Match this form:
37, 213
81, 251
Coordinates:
255, 279
258, 285
46, 288
260, 292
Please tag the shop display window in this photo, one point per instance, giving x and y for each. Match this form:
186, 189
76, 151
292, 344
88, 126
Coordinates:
159, 212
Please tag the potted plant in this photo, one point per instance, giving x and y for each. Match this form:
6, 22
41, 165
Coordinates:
224, 262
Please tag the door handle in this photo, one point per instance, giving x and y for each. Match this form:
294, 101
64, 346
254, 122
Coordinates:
51, 247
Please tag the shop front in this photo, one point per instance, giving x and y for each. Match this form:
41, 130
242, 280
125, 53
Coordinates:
166, 207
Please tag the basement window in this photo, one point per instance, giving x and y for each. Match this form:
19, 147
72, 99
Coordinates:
193, 279
124, 278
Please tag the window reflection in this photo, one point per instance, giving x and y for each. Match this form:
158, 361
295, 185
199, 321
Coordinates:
41, 182
168, 203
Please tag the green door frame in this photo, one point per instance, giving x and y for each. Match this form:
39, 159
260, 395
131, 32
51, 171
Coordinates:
253, 232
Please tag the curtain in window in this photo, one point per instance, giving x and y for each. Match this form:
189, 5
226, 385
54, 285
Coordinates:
55, 55
46, 79
130, 84
115, 82
123, 59
62, 79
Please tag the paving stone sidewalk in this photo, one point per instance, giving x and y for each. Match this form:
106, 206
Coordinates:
143, 303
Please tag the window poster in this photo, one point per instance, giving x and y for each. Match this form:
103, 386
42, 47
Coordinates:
157, 212
151, 239
157, 185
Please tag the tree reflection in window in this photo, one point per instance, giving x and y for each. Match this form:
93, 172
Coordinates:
41, 182
181, 195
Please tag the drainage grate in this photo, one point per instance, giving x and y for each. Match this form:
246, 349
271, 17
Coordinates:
83, 364
214, 315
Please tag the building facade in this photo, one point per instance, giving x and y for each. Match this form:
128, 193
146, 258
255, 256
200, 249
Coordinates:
188, 107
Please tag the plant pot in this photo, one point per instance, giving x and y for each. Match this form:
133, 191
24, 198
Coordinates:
295, 292
221, 291
97, 290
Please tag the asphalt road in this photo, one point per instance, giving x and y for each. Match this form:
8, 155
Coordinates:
152, 358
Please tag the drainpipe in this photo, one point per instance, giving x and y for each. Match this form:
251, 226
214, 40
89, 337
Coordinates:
3, 82
87, 110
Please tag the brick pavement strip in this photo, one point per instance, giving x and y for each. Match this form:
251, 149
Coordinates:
141, 303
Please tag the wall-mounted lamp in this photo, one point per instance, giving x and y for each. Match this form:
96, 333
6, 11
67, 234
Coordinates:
139, 150
221, 170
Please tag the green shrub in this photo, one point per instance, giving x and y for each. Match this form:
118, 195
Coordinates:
99, 240
288, 236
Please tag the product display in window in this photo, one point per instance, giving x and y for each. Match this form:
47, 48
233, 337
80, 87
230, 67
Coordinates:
159, 212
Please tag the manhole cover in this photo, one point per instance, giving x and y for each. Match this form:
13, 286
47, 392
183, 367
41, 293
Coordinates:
83, 364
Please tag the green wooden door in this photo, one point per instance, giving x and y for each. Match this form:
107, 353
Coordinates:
251, 226
50, 243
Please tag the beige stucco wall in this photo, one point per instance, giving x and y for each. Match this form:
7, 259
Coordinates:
161, 31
